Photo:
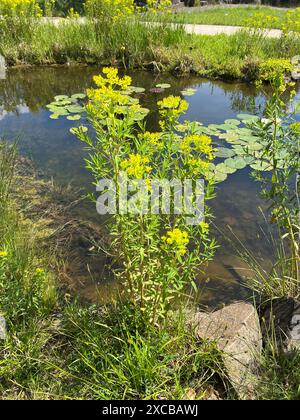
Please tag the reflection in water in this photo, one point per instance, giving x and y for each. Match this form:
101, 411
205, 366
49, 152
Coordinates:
23, 116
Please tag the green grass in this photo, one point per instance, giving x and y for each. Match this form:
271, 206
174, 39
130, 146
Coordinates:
134, 45
227, 16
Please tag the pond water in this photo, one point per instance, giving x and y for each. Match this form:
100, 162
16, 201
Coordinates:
59, 155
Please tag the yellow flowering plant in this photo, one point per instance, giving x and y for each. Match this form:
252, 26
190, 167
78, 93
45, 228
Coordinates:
110, 11
28, 8
160, 252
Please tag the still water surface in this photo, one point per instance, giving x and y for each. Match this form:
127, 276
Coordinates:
59, 155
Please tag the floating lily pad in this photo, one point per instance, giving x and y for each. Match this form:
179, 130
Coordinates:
163, 85
224, 152
75, 109
235, 163
261, 165
61, 97
232, 122
78, 96
219, 176
54, 116
246, 117
225, 169
74, 117
136, 89
188, 92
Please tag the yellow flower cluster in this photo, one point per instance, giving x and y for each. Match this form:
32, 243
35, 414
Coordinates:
272, 68
112, 79
292, 21
174, 103
177, 240
3, 254
152, 139
197, 166
261, 20
170, 109
160, 6
20, 7
289, 23
110, 10
108, 91
136, 166
200, 143
204, 227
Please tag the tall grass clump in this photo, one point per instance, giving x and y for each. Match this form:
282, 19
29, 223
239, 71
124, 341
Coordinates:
27, 294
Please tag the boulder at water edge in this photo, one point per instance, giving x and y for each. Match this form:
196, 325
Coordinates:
236, 330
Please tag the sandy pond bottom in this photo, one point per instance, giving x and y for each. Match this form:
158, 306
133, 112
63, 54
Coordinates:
24, 95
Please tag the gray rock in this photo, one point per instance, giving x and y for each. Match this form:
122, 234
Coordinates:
2, 67
236, 330
280, 319
2, 328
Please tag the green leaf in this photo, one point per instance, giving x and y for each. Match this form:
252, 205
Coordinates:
74, 117
232, 122
224, 152
188, 92
261, 165
235, 163
163, 85
61, 97
78, 96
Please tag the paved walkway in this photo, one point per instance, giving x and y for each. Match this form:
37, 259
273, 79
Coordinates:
189, 27
228, 30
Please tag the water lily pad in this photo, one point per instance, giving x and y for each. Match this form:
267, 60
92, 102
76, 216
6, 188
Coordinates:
163, 85
254, 146
78, 96
235, 163
74, 117
188, 92
225, 169
54, 116
61, 97
75, 109
232, 122
261, 165
136, 89
219, 177
247, 117
224, 152
227, 127
230, 137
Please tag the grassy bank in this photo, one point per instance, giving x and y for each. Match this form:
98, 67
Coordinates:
236, 16
134, 45
57, 348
